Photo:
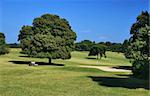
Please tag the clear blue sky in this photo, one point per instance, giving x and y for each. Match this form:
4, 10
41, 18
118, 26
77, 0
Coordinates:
96, 20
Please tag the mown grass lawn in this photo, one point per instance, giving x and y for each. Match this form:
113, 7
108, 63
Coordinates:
19, 79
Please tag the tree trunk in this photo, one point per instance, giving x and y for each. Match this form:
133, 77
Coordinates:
100, 57
97, 56
50, 60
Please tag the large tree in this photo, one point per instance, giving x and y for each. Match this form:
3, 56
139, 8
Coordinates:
50, 37
3, 46
138, 48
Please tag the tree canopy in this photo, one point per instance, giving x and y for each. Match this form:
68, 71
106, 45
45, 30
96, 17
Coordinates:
84, 45
98, 50
126, 50
114, 47
49, 37
3, 46
138, 48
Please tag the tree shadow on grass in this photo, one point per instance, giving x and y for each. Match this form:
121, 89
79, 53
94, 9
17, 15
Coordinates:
128, 75
91, 58
123, 67
24, 56
131, 83
39, 63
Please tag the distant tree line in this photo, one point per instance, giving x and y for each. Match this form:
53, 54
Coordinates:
86, 45
14, 45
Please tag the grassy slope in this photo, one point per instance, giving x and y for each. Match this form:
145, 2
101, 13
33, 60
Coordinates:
68, 80
113, 59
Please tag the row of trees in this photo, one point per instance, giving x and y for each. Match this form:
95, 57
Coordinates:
3, 46
86, 45
138, 46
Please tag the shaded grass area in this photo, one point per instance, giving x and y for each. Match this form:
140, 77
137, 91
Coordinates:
39, 63
131, 83
19, 79
123, 67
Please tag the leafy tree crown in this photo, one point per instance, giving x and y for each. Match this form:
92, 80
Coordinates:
49, 37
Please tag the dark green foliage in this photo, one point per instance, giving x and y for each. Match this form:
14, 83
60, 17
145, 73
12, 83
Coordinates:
25, 36
125, 45
126, 50
141, 68
142, 20
98, 50
114, 47
84, 45
138, 48
2, 38
108, 43
3, 46
49, 37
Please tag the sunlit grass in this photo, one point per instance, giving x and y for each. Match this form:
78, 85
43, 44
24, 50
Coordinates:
67, 80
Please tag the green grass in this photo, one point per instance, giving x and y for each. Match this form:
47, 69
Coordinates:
68, 80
